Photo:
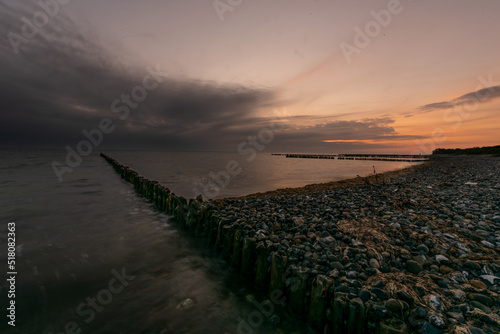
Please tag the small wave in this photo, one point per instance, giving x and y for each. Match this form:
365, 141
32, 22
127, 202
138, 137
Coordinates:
91, 192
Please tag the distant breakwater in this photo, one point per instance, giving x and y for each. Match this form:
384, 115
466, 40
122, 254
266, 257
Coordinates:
302, 292
374, 157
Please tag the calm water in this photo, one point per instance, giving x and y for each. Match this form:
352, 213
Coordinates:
189, 174
74, 238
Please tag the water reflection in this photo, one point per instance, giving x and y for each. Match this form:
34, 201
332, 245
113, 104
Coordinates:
185, 173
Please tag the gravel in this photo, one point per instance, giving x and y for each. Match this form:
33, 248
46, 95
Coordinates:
430, 234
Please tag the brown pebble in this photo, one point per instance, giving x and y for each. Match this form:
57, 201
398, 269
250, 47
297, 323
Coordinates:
445, 270
478, 284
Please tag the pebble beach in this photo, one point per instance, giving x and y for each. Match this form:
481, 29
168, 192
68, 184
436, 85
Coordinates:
417, 250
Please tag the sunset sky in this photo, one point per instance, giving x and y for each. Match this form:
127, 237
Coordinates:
321, 76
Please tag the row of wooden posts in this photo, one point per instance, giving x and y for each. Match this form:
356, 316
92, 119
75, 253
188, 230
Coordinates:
303, 294
403, 158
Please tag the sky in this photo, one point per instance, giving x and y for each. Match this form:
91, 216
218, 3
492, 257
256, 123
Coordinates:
320, 76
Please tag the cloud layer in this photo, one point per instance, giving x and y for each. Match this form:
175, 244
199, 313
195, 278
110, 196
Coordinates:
480, 96
63, 81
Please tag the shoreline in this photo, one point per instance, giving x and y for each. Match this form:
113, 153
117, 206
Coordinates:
316, 187
417, 251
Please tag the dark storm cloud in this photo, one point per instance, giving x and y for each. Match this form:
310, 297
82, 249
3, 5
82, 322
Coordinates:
480, 96
63, 81
348, 135
344, 130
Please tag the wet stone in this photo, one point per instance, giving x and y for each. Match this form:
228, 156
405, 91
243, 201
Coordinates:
419, 313
480, 306
342, 288
435, 301
380, 293
352, 275
445, 270
487, 319
363, 276
437, 321
405, 297
441, 259
394, 305
463, 307
485, 300
488, 244
457, 295
385, 269
356, 284
458, 278
473, 265
364, 295
423, 249
478, 284
413, 267
336, 265
486, 270
374, 264
475, 330
443, 283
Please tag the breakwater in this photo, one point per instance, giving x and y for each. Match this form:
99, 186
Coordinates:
384, 157
311, 156
417, 253
374, 157
258, 261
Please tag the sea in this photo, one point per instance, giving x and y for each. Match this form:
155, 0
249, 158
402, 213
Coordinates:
91, 256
